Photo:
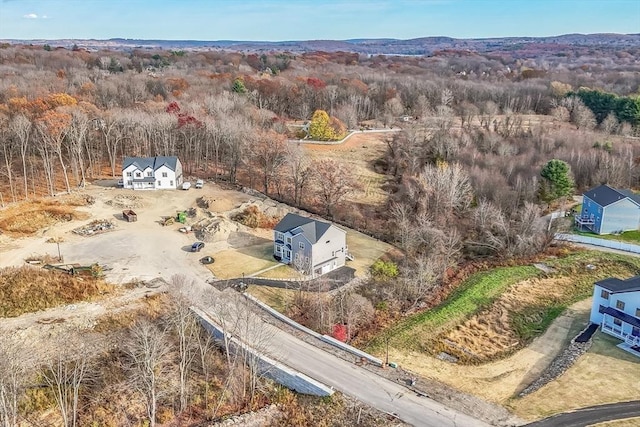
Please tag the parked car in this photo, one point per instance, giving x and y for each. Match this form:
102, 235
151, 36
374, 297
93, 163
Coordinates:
207, 260
197, 246
199, 183
186, 185
120, 183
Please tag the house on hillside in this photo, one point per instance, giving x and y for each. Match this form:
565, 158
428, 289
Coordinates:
606, 210
311, 246
616, 308
151, 173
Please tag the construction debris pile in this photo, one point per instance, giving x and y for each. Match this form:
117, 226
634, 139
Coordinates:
95, 227
125, 201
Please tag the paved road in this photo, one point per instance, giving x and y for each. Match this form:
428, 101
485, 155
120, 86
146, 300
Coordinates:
593, 415
360, 383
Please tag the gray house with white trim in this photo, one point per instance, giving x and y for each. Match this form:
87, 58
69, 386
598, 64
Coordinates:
151, 173
310, 245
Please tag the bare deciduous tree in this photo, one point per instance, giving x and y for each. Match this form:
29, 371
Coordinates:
147, 351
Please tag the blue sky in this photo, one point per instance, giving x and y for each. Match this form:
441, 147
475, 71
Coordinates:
311, 19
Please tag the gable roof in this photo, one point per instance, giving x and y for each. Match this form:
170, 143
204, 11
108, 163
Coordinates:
605, 195
311, 228
615, 285
150, 162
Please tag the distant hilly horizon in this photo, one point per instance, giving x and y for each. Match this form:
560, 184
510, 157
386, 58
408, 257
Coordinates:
413, 46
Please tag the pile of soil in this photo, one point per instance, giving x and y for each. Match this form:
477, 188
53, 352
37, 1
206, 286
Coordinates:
126, 201
216, 229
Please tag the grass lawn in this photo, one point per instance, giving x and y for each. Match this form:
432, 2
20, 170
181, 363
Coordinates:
365, 250
232, 263
282, 272
605, 374
276, 298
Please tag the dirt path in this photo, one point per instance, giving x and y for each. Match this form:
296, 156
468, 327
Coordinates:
499, 381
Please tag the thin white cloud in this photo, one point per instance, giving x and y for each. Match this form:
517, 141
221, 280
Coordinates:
30, 16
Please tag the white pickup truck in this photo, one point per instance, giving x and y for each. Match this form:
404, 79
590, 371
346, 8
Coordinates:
199, 183
186, 185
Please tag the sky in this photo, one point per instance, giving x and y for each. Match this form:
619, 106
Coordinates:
278, 20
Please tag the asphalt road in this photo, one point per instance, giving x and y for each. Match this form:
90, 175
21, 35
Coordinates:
592, 415
361, 384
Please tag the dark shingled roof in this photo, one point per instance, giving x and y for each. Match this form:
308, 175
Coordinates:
605, 195
152, 162
615, 285
627, 318
312, 228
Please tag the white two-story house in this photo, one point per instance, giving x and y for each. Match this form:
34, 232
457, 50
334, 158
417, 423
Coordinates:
616, 308
151, 173
311, 246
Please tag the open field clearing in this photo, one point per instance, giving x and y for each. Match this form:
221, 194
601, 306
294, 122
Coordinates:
359, 153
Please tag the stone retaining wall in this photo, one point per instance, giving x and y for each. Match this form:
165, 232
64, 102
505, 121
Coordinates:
267, 367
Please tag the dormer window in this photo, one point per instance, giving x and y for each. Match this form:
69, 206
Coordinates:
149, 174
138, 175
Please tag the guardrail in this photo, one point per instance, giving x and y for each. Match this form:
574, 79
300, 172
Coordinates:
324, 338
605, 243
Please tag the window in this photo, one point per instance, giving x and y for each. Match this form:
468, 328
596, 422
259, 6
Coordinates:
159, 184
604, 294
129, 174
164, 174
171, 183
138, 175
289, 240
617, 322
620, 305
301, 245
635, 332
279, 236
129, 182
333, 253
637, 312
149, 174
278, 249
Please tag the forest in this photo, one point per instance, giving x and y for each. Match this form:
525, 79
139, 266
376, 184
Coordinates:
462, 177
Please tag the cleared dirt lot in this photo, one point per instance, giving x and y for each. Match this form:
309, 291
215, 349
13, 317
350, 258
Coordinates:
138, 250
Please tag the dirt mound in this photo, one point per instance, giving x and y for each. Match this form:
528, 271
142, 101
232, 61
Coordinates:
29, 217
215, 229
268, 207
126, 201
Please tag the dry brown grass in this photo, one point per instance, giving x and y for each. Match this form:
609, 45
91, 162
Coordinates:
605, 374
151, 306
27, 218
28, 289
359, 154
490, 333
276, 298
